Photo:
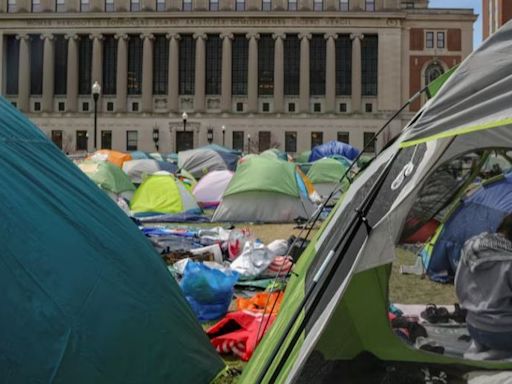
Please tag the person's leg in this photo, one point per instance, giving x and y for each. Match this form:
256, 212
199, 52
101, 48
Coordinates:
501, 341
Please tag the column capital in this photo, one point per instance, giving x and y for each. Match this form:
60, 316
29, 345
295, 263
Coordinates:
227, 35
330, 35
200, 35
149, 36
358, 36
306, 35
23, 36
279, 35
72, 36
96, 36
173, 35
46, 36
250, 35
123, 36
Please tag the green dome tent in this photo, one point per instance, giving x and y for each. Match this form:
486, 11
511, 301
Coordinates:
303, 157
108, 177
86, 298
325, 174
163, 193
265, 190
275, 154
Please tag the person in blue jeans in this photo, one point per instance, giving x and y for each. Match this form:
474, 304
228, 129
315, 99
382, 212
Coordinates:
483, 284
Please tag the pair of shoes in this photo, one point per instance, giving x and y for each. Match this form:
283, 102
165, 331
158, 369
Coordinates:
414, 329
459, 314
434, 314
429, 345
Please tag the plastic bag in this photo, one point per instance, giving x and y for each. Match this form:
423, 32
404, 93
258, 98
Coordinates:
209, 291
254, 259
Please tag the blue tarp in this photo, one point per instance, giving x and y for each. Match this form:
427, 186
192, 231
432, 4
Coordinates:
333, 148
480, 212
85, 297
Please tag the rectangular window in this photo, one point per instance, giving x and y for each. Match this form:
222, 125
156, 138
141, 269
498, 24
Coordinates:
317, 138
291, 107
266, 65
109, 6
369, 64
317, 107
265, 107
60, 6
186, 5
11, 6
57, 138
343, 107
84, 65
84, 5
240, 61
85, 106
81, 141
344, 137
266, 5
214, 5
292, 5
160, 5
37, 106
135, 106
106, 139
61, 106
292, 64
290, 141
368, 141
36, 65
109, 65
110, 106
131, 140
238, 140
408, 4
36, 5
135, 5
213, 64
239, 107
318, 5
429, 40
60, 67
263, 140
440, 40
369, 5
160, 65
317, 65
344, 5
343, 66
187, 61
240, 5
12, 59
134, 65
368, 107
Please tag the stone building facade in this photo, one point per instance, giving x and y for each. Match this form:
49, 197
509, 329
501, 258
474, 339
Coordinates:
495, 13
250, 74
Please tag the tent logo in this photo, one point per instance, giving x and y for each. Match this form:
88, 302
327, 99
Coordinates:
405, 172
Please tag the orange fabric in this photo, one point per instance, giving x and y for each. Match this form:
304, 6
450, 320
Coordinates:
307, 182
257, 302
115, 157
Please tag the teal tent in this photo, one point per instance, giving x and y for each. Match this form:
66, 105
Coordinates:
85, 297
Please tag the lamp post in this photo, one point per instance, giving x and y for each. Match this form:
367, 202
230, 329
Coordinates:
156, 136
209, 135
96, 91
184, 117
223, 135
249, 143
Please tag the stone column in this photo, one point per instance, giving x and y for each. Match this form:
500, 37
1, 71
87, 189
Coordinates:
330, 73
72, 74
122, 72
356, 71
200, 72
252, 73
147, 73
24, 73
279, 72
226, 71
173, 85
48, 72
304, 72
97, 58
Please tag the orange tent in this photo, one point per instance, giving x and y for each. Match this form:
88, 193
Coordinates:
114, 157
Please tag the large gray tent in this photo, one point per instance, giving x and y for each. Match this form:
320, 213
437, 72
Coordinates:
333, 325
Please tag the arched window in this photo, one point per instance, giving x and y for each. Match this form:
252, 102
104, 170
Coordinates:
432, 72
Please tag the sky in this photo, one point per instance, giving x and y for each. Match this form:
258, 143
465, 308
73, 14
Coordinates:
475, 4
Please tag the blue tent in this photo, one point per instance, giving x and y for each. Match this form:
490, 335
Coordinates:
480, 212
85, 297
333, 148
